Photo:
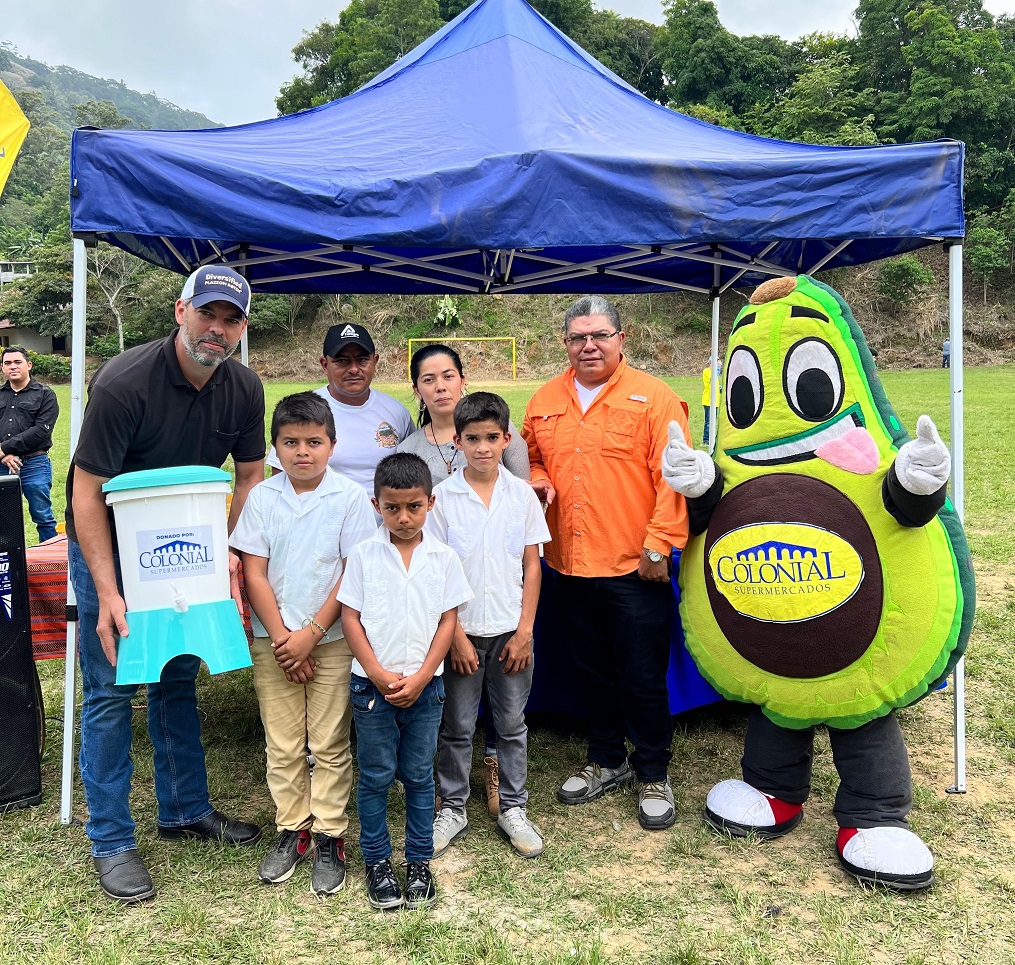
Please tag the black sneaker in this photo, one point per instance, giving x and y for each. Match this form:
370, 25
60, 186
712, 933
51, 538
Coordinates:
287, 851
420, 888
382, 885
329, 865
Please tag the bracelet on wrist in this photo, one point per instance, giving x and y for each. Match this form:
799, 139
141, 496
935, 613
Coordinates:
311, 622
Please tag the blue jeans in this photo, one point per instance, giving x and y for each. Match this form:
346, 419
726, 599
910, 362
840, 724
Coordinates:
395, 741
36, 482
181, 782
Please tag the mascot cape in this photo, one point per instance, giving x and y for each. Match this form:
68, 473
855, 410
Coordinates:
809, 593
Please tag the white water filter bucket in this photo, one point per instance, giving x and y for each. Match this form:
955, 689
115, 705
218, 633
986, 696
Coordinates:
171, 527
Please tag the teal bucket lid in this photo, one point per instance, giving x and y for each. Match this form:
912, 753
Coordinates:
173, 476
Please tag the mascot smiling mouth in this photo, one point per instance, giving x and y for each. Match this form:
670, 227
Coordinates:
842, 441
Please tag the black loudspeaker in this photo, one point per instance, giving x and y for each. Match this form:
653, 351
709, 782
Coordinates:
20, 768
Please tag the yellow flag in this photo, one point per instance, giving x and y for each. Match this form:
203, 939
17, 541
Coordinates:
13, 128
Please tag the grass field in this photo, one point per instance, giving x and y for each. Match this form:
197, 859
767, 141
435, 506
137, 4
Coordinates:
604, 891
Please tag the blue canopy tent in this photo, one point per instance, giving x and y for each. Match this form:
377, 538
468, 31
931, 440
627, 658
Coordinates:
498, 156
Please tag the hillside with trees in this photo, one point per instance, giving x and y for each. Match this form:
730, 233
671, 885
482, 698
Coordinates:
914, 71
64, 89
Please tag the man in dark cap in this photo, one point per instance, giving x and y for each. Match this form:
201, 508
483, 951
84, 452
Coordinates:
369, 423
177, 401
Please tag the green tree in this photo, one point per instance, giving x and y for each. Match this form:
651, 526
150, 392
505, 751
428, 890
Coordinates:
988, 248
42, 300
101, 114
822, 106
631, 48
283, 313
117, 275
941, 68
720, 117
370, 35
152, 311
569, 16
903, 280
708, 65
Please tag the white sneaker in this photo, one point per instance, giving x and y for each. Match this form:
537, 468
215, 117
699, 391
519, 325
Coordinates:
892, 857
449, 825
515, 826
738, 809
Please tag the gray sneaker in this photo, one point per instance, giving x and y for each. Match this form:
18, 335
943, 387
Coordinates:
328, 876
515, 826
592, 782
287, 851
656, 810
449, 825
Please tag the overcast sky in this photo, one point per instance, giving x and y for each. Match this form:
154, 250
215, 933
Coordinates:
228, 58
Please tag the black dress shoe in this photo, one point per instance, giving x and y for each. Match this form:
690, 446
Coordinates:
420, 888
216, 827
382, 886
124, 877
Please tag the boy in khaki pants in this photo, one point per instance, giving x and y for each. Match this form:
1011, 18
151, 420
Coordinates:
294, 534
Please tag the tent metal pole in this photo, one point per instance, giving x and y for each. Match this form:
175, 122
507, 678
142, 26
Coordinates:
714, 359
958, 484
245, 272
77, 406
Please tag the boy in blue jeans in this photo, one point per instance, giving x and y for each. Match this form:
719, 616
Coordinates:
400, 595
493, 521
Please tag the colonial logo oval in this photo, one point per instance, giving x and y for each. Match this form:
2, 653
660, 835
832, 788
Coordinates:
785, 572
793, 575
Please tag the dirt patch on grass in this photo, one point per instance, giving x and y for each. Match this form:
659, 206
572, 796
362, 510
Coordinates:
995, 582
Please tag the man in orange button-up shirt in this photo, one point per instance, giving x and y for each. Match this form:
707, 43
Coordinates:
596, 435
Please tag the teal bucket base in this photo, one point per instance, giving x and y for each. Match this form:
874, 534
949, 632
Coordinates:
211, 631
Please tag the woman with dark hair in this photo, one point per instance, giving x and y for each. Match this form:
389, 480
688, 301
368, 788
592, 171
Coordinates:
438, 382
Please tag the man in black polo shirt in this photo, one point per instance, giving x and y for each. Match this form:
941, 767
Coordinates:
28, 412
177, 401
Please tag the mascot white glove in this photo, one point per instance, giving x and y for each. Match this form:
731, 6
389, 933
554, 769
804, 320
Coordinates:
688, 471
923, 464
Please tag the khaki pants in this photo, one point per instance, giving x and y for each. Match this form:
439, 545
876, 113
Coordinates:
315, 715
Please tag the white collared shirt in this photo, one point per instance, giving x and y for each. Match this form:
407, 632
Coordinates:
400, 608
304, 540
490, 543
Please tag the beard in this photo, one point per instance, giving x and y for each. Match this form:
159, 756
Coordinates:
194, 348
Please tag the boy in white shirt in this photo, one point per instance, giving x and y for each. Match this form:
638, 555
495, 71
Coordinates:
494, 522
293, 535
399, 595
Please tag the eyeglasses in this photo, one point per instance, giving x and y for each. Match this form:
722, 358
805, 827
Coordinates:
343, 361
600, 338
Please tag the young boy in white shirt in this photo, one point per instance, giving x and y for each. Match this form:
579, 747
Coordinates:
293, 536
399, 596
494, 522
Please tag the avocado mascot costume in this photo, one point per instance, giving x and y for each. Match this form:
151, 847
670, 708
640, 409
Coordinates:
827, 578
